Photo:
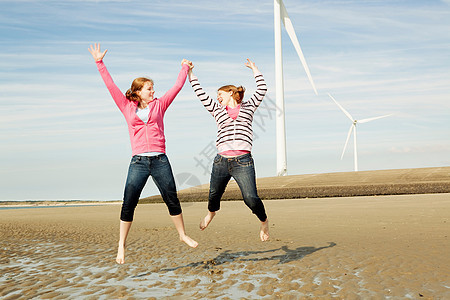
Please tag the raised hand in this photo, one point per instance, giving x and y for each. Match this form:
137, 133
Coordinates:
187, 62
96, 53
250, 64
191, 66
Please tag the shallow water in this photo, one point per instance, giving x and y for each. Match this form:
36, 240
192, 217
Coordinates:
41, 206
68, 275
51, 270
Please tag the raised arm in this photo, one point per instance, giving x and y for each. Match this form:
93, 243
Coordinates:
261, 87
206, 100
96, 53
115, 92
251, 65
170, 95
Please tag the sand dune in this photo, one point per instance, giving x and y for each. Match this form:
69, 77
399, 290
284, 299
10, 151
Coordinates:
343, 184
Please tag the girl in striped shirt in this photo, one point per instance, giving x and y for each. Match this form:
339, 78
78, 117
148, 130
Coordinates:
234, 143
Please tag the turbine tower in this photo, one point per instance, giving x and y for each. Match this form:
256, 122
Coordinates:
353, 128
281, 15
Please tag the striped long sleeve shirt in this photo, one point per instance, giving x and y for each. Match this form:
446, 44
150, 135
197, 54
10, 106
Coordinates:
233, 134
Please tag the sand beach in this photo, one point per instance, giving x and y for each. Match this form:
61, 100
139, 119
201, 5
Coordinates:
370, 247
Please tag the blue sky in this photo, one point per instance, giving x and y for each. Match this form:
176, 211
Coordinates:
63, 138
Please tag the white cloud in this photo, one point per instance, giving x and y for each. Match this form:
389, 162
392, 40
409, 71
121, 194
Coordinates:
375, 57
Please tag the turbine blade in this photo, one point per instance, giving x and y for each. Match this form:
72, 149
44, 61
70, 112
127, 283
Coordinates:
291, 32
343, 109
346, 141
371, 119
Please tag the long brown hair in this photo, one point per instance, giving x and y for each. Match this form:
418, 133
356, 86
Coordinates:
136, 86
238, 92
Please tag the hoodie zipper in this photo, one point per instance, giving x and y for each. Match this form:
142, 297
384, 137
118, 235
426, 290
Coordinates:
146, 129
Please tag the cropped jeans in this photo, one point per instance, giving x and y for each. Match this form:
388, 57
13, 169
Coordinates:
141, 167
242, 169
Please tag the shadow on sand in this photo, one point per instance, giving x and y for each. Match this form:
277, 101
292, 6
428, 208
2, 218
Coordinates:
228, 256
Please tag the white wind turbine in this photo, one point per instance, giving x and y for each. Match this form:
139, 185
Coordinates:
353, 128
281, 15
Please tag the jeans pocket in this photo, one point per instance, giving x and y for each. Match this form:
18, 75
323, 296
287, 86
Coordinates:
245, 161
217, 159
163, 158
135, 159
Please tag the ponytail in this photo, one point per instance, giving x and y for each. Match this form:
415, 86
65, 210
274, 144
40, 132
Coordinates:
238, 92
136, 86
132, 96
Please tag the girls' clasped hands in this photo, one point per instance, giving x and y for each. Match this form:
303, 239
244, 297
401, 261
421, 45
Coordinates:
144, 116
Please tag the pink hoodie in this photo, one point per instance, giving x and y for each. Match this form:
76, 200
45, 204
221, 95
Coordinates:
145, 137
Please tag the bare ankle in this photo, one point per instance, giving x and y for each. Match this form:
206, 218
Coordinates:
206, 220
120, 258
264, 231
187, 240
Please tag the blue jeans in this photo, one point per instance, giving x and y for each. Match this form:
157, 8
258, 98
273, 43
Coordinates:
242, 169
141, 167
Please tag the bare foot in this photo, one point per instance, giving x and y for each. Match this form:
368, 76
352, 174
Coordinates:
190, 242
264, 233
120, 259
205, 222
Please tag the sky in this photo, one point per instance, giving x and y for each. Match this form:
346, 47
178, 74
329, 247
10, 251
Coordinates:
63, 138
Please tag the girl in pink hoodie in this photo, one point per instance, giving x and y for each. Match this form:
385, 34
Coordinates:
144, 116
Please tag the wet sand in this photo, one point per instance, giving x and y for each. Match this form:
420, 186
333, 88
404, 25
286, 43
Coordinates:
379, 247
